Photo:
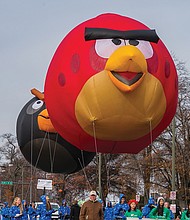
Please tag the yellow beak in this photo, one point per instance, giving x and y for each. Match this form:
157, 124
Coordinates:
44, 122
126, 68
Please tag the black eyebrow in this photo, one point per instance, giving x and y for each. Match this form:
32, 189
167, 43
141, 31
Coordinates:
104, 33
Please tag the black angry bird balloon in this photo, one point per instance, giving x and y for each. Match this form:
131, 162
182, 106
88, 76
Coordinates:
42, 146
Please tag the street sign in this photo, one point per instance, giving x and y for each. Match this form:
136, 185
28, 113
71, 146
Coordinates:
173, 195
44, 183
6, 183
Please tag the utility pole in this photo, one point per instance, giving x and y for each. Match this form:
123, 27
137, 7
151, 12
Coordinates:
173, 193
173, 156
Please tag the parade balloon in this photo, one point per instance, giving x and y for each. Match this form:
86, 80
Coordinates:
111, 86
42, 146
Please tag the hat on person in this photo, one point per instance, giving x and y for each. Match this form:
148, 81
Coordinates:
159, 198
132, 200
23, 201
151, 201
63, 201
93, 193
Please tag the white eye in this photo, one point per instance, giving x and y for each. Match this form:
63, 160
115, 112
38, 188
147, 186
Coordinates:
38, 104
34, 106
105, 47
144, 46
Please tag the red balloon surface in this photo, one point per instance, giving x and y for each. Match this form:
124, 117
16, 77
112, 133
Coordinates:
111, 95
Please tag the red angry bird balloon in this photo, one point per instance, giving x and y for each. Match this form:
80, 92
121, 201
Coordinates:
111, 86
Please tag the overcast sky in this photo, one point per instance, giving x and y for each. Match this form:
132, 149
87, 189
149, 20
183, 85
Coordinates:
30, 32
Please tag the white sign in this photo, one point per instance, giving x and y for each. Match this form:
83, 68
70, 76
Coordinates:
173, 195
138, 198
44, 184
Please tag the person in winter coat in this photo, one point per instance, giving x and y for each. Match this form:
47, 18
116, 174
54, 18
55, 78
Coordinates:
5, 211
25, 210
32, 212
44, 210
167, 205
16, 209
120, 208
148, 207
186, 213
64, 210
75, 211
108, 213
160, 212
133, 212
178, 212
91, 209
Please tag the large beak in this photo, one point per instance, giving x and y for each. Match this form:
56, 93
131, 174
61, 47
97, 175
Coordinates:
44, 122
126, 68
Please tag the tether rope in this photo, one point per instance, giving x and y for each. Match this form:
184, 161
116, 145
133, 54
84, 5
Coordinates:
151, 132
85, 175
39, 154
55, 147
95, 141
50, 154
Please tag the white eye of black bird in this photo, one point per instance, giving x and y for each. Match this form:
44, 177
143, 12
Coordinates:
34, 107
116, 41
38, 104
133, 42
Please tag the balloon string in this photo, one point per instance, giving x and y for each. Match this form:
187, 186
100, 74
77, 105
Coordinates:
50, 155
94, 134
31, 152
55, 146
84, 171
95, 141
39, 154
150, 132
35, 166
82, 155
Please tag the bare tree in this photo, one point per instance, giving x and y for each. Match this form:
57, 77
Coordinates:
9, 148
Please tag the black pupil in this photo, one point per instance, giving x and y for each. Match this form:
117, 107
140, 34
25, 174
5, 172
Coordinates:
133, 42
38, 102
116, 41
